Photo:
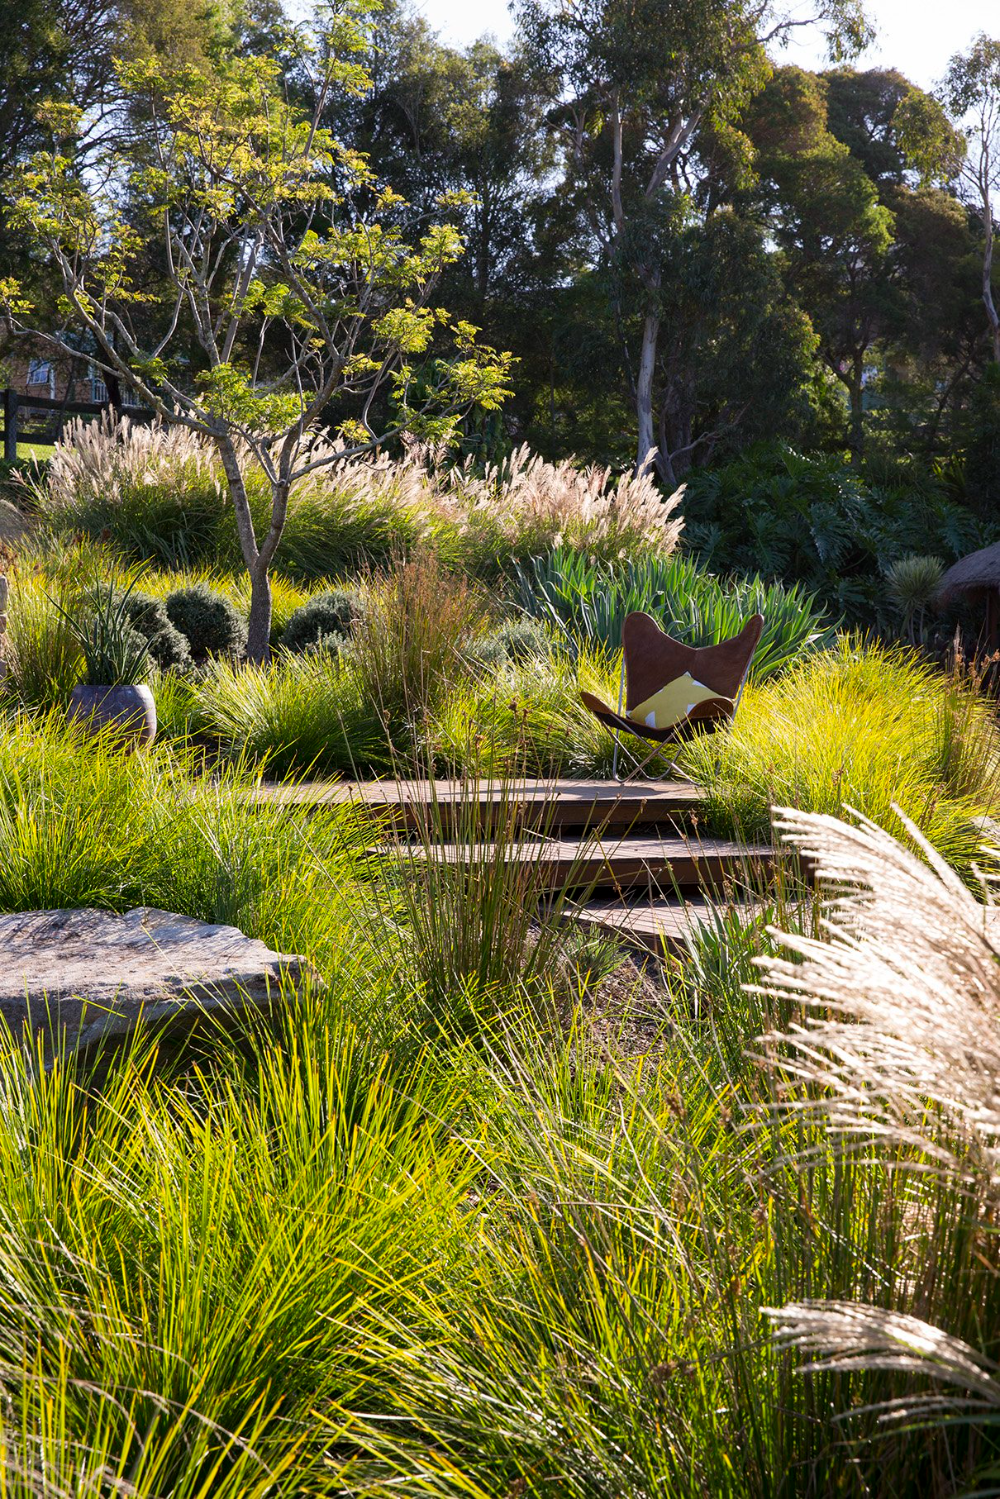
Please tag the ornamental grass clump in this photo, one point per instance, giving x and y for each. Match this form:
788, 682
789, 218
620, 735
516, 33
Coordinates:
866, 725
406, 646
527, 505
309, 712
897, 1058
43, 657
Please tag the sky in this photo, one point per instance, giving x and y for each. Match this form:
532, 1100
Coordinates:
915, 36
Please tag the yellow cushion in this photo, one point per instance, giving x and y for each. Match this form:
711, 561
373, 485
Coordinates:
672, 703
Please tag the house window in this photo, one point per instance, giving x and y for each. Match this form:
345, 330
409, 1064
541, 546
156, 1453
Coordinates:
41, 372
98, 389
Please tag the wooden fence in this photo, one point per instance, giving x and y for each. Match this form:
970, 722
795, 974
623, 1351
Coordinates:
39, 419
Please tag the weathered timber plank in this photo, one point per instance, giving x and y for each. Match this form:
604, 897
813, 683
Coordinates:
554, 805
661, 924
660, 863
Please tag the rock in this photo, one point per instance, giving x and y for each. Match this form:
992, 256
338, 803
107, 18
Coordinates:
14, 524
97, 974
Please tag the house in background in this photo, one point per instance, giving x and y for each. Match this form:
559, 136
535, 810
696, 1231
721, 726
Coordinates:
44, 390
54, 377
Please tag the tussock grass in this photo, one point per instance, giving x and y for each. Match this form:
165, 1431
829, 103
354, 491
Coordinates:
84, 824
43, 655
863, 725
304, 713
159, 496
438, 1233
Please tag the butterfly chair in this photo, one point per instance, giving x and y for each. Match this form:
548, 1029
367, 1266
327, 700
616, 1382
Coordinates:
671, 691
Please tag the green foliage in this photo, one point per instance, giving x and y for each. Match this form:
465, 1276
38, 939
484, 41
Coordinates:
147, 615
812, 520
323, 615
526, 715
42, 651
523, 640
305, 712
913, 584
589, 603
864, 726
406, 647
114, 652
208, 620
982, 445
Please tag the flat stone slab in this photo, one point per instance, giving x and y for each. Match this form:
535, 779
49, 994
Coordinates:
96, 974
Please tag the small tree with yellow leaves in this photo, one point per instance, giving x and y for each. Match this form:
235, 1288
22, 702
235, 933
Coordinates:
235, 228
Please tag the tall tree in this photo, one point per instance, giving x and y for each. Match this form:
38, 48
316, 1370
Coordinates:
636, 80
836, 153
290, 296
972, 91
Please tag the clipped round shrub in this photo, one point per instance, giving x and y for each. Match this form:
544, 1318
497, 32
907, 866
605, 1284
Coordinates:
148, 617
212, 625
169, 648
516, 639
321, 617
330, 644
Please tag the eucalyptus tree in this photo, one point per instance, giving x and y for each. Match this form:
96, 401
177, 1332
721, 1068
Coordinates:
633, 83
840, 159
972, 91
282, 287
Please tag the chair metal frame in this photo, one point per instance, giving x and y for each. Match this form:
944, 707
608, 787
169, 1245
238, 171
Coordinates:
640, 766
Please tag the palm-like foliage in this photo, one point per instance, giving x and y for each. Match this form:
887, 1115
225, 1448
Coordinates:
588, 602
814, 520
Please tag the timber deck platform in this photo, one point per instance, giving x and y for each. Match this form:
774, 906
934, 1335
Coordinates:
644, 869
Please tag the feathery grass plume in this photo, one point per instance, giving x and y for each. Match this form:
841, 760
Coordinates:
526, 504
897, 1056
910, 980
99, 461
848, 1335
159, 494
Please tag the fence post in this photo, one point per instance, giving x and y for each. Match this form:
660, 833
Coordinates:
10, 404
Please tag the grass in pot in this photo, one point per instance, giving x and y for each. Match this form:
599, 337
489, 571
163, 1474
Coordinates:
114, 695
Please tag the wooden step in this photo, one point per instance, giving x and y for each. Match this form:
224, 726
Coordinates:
658, 863
553, 805
663, 925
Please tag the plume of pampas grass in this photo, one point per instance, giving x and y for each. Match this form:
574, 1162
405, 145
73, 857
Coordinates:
905, 988
565, 500
899, 1049
94, 459
848, 1335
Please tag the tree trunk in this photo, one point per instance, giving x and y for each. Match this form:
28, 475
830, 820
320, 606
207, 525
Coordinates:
258, 635
855, 390
644, 393
259, 631
988, 302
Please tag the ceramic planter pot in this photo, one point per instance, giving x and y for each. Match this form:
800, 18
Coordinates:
130, 711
